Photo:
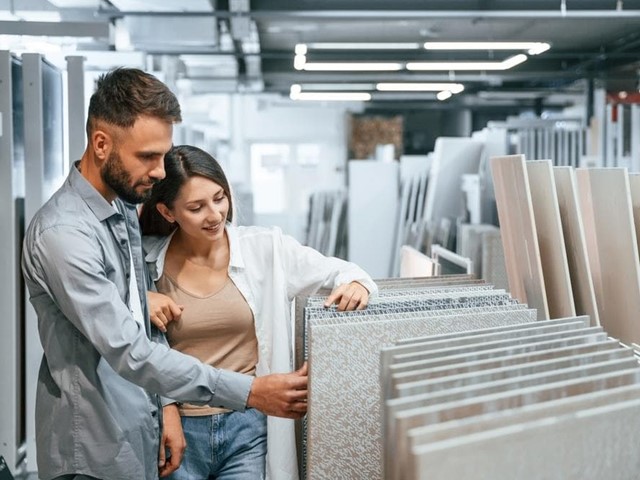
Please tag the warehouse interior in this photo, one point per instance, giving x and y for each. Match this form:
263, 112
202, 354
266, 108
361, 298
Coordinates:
401, 137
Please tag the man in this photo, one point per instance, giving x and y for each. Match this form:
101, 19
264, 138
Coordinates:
97, 410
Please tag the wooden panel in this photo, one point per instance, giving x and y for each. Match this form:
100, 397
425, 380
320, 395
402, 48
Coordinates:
605, 203
518, 230
634, 186
553, 254
575, 243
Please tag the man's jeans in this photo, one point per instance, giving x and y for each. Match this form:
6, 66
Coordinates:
226, 446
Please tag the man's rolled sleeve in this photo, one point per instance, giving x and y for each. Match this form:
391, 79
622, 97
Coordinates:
232, 390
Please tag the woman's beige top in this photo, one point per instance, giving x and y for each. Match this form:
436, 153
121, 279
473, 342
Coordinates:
217, 329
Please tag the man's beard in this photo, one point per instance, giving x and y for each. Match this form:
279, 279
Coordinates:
118, 179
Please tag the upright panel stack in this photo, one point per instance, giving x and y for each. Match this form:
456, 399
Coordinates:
555, 399
343, 437
449, 377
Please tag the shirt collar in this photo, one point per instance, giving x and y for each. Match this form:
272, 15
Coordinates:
235, 253
156, 248
96, 202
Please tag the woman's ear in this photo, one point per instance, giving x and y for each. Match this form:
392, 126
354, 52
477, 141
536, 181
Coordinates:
165, 212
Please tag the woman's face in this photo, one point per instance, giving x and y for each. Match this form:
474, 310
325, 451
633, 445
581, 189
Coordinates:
200, 209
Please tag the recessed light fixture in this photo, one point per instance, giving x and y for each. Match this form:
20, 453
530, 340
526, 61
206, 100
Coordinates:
503, 65
442, 96
296, 93
532, 48
420, 87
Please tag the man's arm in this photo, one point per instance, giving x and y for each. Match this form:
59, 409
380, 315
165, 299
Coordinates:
281, 395
75, 279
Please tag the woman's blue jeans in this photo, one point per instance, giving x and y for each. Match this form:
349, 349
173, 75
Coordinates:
226, 446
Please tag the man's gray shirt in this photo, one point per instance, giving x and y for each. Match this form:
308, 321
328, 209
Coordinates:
97, 410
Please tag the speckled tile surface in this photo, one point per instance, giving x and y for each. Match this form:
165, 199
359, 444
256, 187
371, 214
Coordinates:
344, 430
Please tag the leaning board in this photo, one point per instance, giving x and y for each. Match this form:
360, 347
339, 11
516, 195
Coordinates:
553, 254
573, 230
605, 202
518, 230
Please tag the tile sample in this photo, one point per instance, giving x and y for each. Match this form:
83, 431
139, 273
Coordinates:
344, 431
550, 381
415, 263
553, 253
452, 157
518, 230
605, 202
457, 428
598, 443
575, 243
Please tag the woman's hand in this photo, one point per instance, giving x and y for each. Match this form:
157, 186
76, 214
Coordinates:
352, 296
162, 310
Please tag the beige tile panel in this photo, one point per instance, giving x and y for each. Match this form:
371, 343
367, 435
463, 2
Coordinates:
553, 254
398, 446
575, 243
592, 444
518, 230
605, 203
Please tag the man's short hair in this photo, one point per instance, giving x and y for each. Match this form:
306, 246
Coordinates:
124, 94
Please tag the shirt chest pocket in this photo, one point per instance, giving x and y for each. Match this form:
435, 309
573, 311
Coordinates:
117, 271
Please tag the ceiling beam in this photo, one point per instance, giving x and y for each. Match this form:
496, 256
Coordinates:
56, 29
386, 14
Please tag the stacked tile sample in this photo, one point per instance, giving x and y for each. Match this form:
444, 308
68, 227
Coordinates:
556, 399
343, 436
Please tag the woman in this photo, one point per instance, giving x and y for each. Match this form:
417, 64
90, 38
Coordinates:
235, 285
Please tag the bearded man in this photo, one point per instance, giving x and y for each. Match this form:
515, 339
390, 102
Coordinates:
99, 410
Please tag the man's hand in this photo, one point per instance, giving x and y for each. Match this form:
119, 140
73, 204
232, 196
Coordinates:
280, 395
162, 310
173, 439
352, 296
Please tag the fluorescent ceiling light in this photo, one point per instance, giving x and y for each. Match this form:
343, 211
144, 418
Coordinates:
296, 93
533, 48
364, 45
503, 65
299, 62
333, 96
513, 61
444, 95
420, 87
401, 96
352, 67
509, 95
301, 49
338, 86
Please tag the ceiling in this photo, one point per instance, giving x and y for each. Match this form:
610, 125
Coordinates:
242, 45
